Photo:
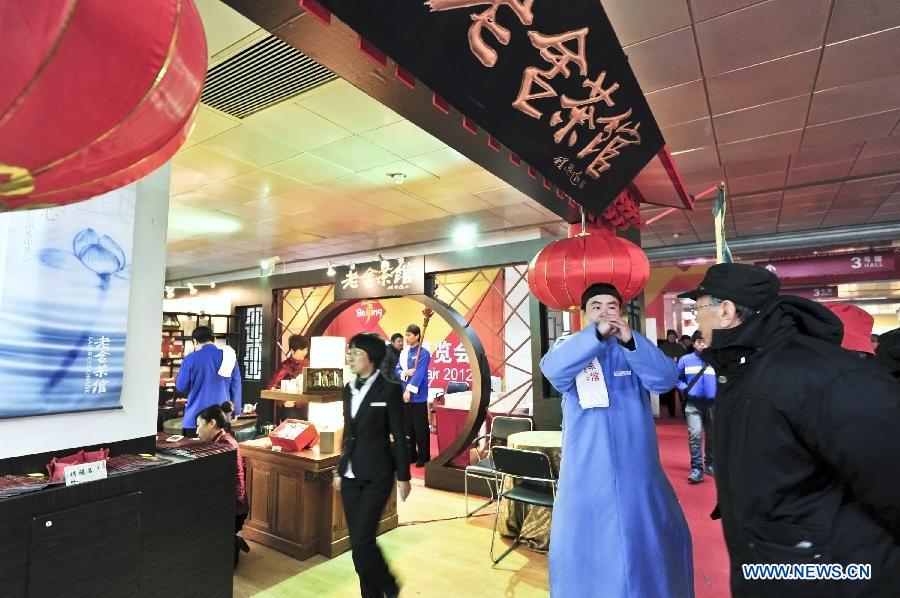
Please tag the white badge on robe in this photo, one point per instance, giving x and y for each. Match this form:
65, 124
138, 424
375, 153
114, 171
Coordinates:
591, 386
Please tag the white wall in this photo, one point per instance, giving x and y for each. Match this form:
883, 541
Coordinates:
137, 418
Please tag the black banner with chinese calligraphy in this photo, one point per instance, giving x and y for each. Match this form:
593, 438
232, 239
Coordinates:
373, 280
547, 79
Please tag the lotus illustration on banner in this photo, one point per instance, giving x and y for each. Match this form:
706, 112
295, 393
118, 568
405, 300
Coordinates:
64, 289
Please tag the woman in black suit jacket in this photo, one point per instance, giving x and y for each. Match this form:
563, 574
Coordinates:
373, 451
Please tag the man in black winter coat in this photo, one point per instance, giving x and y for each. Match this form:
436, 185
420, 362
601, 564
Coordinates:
807, 441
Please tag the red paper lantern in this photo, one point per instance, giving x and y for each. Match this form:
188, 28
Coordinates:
559, 274
95, 94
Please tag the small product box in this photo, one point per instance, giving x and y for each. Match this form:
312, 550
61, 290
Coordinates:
294, 435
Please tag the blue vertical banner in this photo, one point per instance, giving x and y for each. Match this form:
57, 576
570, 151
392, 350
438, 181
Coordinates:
720, 208
64, 287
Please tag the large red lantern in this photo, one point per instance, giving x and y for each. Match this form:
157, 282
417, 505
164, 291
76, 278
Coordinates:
559, 274
94, 94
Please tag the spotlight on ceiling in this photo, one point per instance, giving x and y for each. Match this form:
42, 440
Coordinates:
330, 271
212, 285
191, 288
397, 177
267, 267
385, 264
465, 235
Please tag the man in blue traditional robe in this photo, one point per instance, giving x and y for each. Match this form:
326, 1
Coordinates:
617, 529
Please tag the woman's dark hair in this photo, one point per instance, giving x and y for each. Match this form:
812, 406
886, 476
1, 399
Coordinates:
372, 344
395, 336
297, 342
414, 328
218, 414
203, 334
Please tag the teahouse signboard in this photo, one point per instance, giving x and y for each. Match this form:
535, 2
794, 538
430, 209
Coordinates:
547, 79
387, 278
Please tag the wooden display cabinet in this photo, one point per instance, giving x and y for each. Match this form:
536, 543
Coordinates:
293, 505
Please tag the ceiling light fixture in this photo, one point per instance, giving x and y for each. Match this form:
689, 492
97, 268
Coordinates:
330, 271
385, 264
676, 235
267, 266
465, 235
190, 287
397, 177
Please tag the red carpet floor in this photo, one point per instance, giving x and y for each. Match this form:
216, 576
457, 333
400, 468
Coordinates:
697, 501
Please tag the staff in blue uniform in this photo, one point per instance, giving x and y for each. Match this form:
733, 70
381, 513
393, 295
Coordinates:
414, 378
616, 517
202, 377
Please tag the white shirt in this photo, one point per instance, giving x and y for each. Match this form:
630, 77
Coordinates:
356, 399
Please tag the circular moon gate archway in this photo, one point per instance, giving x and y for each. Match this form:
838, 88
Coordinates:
438, 472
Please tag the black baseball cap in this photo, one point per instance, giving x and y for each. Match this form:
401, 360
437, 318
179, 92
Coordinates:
744, 284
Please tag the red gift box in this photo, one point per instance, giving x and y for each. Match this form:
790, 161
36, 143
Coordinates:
56, 467
294, 435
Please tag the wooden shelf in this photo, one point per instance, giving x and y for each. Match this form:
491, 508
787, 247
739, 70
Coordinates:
277, 395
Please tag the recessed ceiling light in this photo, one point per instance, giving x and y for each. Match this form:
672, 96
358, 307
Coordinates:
676, 235
397, 177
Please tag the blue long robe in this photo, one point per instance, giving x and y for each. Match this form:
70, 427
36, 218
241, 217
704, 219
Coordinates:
617, 529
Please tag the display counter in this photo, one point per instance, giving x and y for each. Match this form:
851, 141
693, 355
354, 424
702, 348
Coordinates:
165, 531
293, 505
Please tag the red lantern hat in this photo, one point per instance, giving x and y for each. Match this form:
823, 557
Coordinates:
560, 273
96, 94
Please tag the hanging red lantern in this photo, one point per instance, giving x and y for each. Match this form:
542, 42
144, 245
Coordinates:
559, 274
95, 94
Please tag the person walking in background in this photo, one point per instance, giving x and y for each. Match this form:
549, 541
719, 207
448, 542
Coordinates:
674, 351
697, 384
373, 452
807, 439
616, 520
688, 343
392, 358
412, 369
888, 351
202, 379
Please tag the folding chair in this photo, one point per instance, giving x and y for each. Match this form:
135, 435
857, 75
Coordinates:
537, 485
501, 428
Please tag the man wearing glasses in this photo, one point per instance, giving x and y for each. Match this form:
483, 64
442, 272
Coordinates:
807, 439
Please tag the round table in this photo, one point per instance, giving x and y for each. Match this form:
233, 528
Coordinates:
533, 522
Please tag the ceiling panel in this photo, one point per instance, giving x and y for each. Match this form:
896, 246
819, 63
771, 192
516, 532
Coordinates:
759, 121
355, 154
679, 104
309, 168
251, 147
762, 147
637, 20
296, 126
690, 135
707, 9
852, 18
761, 32
348, 107
851, 130
693, 160
848, 101
765, 82
867, 57
681, 65
404, 139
